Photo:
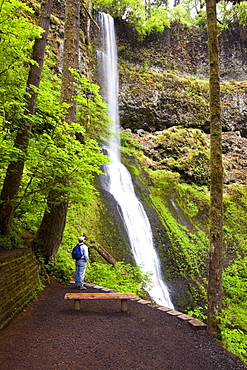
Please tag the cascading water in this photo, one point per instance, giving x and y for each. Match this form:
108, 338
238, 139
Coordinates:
118, 180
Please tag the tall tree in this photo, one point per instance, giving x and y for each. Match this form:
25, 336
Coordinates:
216, 174
51, 229
15, 168
216, 170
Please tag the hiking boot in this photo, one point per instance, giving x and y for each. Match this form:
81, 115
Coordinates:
82, 288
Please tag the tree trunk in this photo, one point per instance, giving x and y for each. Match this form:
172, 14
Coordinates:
50, 232
15, 169
70, 56
216, 168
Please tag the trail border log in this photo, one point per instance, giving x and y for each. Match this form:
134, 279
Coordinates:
77, 297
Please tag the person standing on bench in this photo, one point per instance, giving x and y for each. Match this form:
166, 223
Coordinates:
81, 265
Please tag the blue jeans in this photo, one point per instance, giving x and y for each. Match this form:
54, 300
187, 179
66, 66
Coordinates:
80, 272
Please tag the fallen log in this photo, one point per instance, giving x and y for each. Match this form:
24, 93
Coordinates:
106, 255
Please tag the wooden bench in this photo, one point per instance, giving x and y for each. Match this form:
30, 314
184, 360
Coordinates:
77, 297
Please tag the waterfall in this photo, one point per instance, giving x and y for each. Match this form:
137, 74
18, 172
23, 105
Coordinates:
118, 180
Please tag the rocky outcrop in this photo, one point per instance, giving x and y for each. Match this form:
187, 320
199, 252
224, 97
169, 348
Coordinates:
154, 102
234, 107
234, 158
186, 151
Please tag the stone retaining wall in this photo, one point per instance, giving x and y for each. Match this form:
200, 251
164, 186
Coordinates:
19, 278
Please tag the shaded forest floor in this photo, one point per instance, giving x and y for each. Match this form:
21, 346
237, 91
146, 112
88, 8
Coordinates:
49, 334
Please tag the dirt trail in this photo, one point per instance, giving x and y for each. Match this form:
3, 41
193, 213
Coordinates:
49, 334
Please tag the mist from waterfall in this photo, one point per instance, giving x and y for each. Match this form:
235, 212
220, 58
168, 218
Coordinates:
118, 180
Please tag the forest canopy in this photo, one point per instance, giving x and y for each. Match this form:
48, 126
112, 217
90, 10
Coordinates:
153, 16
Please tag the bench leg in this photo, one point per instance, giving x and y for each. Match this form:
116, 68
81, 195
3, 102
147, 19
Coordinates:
124, 305
77, 304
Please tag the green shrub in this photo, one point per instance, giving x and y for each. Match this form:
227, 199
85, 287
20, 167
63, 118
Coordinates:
233, 322
121, 277
60, 271
198, 313
235, 341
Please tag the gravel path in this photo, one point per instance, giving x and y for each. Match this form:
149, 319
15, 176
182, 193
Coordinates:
49, 334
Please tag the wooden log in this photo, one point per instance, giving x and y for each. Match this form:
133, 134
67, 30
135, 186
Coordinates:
106, 255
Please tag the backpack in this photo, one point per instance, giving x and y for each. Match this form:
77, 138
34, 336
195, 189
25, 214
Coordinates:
76, 252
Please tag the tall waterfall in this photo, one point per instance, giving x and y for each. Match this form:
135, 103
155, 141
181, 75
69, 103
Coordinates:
118, 180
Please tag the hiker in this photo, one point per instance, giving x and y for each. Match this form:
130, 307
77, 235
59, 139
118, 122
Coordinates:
81, 264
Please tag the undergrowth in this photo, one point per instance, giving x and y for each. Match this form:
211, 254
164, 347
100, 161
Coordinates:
233, 320
121, 277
